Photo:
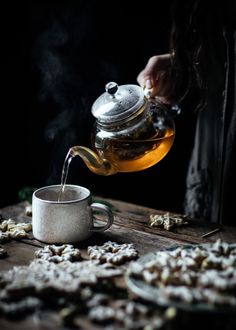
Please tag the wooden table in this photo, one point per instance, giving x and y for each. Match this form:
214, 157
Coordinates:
131, 225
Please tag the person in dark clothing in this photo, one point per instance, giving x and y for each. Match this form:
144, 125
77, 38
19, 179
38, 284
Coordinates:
201, 68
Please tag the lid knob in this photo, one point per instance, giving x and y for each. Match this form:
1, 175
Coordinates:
111, 88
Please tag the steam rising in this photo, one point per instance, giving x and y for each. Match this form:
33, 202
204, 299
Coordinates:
71, 75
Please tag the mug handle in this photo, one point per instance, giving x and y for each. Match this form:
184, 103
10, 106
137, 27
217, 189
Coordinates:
105, 210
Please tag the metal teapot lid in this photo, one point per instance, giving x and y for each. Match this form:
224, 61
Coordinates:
118, 103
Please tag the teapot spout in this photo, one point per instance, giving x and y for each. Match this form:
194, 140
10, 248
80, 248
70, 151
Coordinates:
93, 161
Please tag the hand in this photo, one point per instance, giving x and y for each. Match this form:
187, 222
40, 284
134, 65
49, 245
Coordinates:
156, 76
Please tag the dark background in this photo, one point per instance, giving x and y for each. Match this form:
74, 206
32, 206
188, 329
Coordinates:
58, 56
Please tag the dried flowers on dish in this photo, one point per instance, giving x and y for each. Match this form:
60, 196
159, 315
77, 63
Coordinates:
201, 274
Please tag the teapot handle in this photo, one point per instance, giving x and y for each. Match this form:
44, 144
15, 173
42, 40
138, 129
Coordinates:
169, 110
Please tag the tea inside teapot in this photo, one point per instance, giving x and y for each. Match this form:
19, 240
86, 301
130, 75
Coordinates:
131, 132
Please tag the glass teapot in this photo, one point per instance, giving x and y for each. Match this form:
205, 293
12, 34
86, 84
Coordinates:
132, 131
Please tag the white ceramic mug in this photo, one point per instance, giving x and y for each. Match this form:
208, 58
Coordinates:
68, 220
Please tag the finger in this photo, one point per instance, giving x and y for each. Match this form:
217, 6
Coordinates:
145, 80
